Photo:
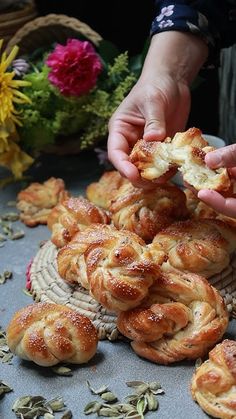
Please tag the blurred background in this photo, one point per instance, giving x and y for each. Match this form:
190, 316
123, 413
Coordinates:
213, 95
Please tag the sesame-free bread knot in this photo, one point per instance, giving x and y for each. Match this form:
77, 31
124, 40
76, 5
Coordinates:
146, 212
200, 246
51, 333
116, 266
71, 216
36, 202
182, 318
213, 384
101, 192
186, 151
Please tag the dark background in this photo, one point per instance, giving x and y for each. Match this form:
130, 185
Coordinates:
127, 25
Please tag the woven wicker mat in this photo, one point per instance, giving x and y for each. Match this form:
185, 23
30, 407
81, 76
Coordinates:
48, 286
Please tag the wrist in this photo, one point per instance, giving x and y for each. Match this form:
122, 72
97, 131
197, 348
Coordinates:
177, 54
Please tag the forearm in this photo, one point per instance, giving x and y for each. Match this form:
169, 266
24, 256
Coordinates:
177, 54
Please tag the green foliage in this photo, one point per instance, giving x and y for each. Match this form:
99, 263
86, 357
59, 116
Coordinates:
51, 114
102, 103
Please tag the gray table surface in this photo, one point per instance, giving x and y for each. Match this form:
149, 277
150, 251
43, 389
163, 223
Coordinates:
115, 363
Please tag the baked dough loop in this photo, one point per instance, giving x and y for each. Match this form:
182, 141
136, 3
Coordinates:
198, 209
199, 246
182, 318
186, 151
101, 192
71, 216
37, 200
51, 333
115, 266
147, 212
213, 384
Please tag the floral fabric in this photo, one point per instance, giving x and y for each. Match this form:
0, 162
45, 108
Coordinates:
213, 20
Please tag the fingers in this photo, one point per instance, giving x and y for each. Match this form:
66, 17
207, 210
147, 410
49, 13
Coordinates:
222, 157
118, 154
226, 206
155, 126
232, 172
118, 149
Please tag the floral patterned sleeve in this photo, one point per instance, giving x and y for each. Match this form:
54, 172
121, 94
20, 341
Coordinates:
213, 20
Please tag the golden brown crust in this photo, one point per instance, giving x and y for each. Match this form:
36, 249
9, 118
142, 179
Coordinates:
50, 333
200, 246
213, 384
182, 317
116, 266
198, 209
101, 192
147, 212
71, 216
37, 200
185, 151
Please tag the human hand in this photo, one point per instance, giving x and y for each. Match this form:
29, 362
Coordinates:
159, 103
150, 111
222, 157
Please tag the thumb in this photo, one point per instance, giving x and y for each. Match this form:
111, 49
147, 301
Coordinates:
222, 157
155, 126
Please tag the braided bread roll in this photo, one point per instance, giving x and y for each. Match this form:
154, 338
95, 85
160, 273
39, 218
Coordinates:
116, 266
198, 210
182, 317
186, 151
36, 202
101, 192
147, 212
213, 384
51, 333
198, 246
71, 216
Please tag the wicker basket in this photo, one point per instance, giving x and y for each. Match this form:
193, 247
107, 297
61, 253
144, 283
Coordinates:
44, 30
14, 18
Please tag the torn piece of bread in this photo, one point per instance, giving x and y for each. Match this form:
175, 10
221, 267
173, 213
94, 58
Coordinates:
186, 151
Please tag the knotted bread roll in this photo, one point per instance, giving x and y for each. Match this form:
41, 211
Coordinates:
51, 333
198, 246
186, 151
182, 318
116, 266
213, 384
198, 209
36, 202
146, 212
71, 216
101, 192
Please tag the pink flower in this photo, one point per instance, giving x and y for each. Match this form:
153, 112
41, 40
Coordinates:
74, 67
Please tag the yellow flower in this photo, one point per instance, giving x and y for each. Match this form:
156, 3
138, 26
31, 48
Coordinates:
9, 93
15, 159
7, 130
